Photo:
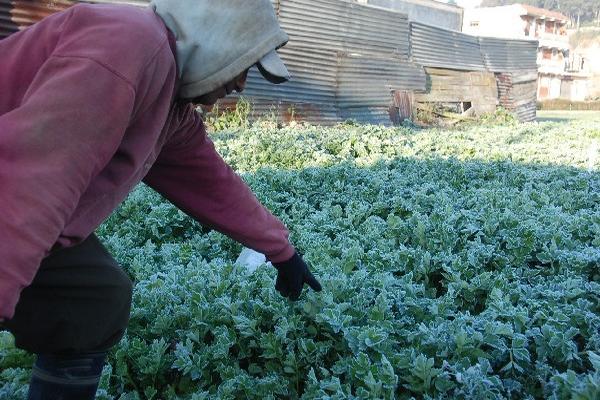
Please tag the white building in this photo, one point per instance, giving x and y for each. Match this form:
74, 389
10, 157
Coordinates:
560, 76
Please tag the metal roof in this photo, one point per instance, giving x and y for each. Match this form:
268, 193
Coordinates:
436, 47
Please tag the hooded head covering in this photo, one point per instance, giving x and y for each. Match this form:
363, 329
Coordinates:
218, 40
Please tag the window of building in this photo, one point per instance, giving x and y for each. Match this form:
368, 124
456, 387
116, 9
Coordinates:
546, 54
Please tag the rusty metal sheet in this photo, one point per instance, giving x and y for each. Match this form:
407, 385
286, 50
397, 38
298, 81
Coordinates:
402, 107
7, 25
17, 15
517, 92
285, 112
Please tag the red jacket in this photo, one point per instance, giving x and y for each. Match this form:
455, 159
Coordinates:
87, 110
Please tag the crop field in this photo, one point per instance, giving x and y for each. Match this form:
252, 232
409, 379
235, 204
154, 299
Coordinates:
456, 264
564, 115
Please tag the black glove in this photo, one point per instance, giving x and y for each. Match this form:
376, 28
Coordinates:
291, 277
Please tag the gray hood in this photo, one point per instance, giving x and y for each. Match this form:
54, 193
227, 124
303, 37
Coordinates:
218, 40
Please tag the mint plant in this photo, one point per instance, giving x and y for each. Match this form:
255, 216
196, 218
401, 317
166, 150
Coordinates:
460, 264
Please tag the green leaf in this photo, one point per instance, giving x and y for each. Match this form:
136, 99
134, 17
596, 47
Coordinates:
594, 360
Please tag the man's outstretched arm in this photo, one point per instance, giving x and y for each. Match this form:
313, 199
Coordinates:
191, 174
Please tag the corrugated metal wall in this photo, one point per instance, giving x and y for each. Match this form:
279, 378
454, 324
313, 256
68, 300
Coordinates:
443, 48
7, 25
347, 59
503, 55
366, 85
430, 12
370, 80
344, 26
314, 77
343, 57
311, 94
359, 54
515, 64
284, 111
517, 92
19, 14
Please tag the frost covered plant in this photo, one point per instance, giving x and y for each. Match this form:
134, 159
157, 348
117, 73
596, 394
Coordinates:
455, 264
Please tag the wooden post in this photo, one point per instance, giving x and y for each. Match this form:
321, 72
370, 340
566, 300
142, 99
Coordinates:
402, 106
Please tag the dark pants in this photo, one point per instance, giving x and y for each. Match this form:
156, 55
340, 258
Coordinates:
79, 302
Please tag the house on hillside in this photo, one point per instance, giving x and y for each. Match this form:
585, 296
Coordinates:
585, 47
560, 75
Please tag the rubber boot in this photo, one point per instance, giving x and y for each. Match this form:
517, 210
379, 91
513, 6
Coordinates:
66, 377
